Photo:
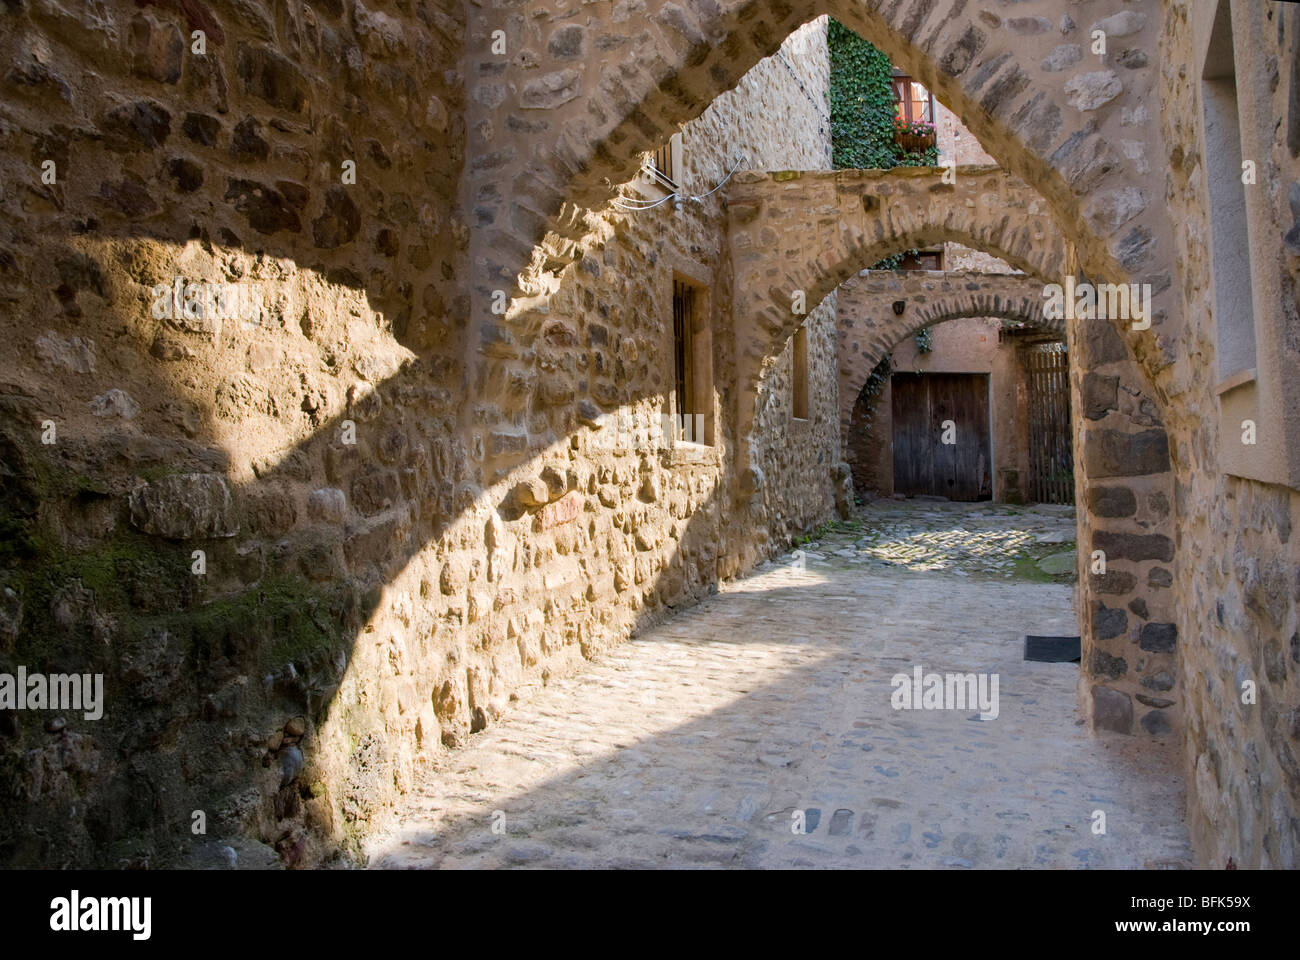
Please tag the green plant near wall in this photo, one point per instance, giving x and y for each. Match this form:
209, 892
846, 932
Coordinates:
924, 341
871, 389
862, 107
862, 113
862, 103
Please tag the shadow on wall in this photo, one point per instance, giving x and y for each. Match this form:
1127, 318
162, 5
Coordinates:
128, 442
291, 586
199, 530
273, 539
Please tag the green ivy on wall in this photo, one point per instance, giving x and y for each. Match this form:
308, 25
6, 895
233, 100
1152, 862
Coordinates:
862, 112
862, 103
870, 392
862, 107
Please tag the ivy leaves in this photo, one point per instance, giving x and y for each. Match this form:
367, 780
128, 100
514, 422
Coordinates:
862, 107
863, 112
862, 103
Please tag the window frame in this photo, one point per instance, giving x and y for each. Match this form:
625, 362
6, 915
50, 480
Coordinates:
702, 400
898, 82
910, 261
1266, 394
654, 183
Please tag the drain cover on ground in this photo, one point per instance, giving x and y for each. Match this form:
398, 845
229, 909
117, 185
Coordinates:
1053, 649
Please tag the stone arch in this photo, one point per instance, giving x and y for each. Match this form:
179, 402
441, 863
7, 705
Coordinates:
590, 93
561, 119
930, 298
811, 232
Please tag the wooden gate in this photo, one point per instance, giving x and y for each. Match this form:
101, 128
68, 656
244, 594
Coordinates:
1051, 446
924, 465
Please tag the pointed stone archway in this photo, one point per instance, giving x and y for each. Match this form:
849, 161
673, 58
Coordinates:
567, 111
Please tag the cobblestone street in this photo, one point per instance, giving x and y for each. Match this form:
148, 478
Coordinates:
962, 539
698, 743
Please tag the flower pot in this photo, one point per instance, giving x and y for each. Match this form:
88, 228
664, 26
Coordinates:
914, 142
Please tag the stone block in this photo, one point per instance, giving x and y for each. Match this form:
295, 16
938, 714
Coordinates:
1100, 395
1133, 546
1112, 501
1107, 622
1112, 710
1158, 637
184, 507
327, 505
1112, 453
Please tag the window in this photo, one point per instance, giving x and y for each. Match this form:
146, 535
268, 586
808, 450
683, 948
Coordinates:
662, 161
1251, 299
912, 102
921, 260
1229, 239
683, 311
693, 400
662, 167
799, 354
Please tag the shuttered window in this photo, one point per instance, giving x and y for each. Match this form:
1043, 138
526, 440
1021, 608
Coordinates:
683, 314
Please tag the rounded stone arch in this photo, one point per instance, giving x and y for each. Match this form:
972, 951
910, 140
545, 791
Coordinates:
928, 298
801, 235
1000, 299
863, 217
601, 90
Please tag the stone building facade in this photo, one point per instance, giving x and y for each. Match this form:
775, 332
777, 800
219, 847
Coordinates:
311, 541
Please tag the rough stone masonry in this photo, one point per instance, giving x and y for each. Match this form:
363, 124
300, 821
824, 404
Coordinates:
310, 548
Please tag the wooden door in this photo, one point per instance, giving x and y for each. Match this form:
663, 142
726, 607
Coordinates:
924, 465
1051, 440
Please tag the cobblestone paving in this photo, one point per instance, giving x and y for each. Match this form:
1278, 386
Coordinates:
698, 743
963, 539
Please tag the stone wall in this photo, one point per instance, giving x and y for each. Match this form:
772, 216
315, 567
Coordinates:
1235, 589
955, 142
251, 155
401, 522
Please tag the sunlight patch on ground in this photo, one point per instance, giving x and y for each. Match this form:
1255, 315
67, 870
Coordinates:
942, 549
